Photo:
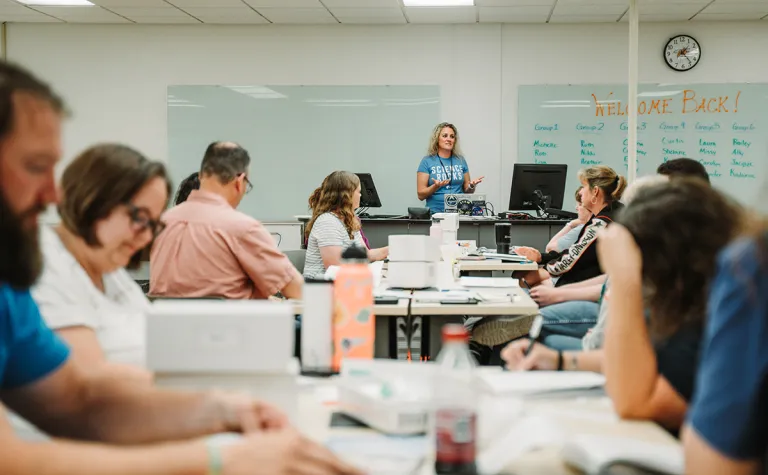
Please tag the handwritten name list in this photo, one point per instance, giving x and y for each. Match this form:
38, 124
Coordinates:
722, 126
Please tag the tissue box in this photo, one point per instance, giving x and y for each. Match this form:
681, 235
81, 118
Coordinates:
409, 248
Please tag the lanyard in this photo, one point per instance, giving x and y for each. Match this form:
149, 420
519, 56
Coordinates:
450, 173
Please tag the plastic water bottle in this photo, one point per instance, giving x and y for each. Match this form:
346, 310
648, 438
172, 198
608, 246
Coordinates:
354, 324
455, 401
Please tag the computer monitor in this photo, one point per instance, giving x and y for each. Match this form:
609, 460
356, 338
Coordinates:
369, 196
527, 179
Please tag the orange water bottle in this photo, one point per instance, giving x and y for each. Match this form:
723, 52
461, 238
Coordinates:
354, 325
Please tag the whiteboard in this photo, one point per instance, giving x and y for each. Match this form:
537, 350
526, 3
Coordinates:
296, 135
724, 126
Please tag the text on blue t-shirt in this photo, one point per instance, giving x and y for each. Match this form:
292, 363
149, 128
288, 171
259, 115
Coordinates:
440, 169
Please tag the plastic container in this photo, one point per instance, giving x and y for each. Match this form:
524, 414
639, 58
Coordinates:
354, 324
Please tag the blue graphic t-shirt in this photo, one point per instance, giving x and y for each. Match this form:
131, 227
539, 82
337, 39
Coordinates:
440, 169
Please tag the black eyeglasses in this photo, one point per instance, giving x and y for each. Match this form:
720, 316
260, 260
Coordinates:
143, 221
249, 185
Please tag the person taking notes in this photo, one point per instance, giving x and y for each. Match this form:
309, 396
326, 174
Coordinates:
444, 170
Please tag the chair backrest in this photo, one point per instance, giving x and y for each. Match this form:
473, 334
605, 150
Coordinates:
297, 258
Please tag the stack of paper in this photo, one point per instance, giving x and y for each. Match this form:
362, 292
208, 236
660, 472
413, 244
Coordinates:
530, 383
489, 282
378, 454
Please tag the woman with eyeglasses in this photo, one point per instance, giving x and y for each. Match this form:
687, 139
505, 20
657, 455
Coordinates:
111, 201
444, 170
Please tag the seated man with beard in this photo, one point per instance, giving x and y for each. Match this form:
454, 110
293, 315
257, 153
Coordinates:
40, 382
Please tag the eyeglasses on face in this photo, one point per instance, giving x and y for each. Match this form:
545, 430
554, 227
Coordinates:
248, 184
142, 219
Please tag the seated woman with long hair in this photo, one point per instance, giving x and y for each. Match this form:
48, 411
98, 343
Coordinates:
660, 257
334, 225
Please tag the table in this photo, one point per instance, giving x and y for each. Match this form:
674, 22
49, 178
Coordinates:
533, 232
393, 325
494, 267
575, 416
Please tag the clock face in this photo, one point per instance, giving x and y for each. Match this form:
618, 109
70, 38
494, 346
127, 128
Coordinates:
682, 53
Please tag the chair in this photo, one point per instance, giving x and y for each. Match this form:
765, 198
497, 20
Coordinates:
297, 258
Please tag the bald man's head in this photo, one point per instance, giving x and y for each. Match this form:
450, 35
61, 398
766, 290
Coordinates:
226, 161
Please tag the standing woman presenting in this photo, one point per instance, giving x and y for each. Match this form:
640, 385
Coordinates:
444, 170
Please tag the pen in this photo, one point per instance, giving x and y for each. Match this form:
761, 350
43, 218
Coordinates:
533, 334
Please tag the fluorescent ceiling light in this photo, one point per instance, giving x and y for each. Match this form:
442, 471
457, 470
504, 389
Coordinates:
58, 3
439, 3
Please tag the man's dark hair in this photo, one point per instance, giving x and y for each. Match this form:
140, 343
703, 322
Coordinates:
187, 186
100, 179
680, 227
20, 258
683, 167
225, 160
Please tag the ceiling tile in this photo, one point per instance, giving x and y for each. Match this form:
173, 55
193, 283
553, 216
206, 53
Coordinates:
441, 14
31, 17
738, 7
700, 3
284, 3
515, 3
13, 7
130, 12
367, 20
589, 10
395, 12
727, 16
659, 17
297, 15
131, 3
83, 14
204, 3
229, 15
331, 4
165, 20
583, 19
514, 14
673, 9
572, 3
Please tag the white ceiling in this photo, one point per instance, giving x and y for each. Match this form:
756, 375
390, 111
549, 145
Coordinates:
380, 11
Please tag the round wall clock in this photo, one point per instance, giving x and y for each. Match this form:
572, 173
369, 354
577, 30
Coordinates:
682, 53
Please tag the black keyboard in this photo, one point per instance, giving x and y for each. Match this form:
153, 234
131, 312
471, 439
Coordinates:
561, 213
382, 216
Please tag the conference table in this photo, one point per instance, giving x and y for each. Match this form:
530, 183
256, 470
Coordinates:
411, 327
591, 415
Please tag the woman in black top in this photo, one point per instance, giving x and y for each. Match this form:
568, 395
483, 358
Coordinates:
601, 190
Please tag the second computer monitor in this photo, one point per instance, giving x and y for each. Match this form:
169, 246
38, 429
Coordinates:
528, 178
369, 197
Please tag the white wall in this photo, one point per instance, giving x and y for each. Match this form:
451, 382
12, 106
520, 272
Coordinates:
115, 76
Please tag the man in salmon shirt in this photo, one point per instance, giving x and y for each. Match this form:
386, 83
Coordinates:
209, 249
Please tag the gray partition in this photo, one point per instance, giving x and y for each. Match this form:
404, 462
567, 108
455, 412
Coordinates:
296, 135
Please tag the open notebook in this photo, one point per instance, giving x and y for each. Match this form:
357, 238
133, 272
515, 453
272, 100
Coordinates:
597, 454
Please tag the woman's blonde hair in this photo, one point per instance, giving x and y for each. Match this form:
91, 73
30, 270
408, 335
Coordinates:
336, 195
435, 140
605, 178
